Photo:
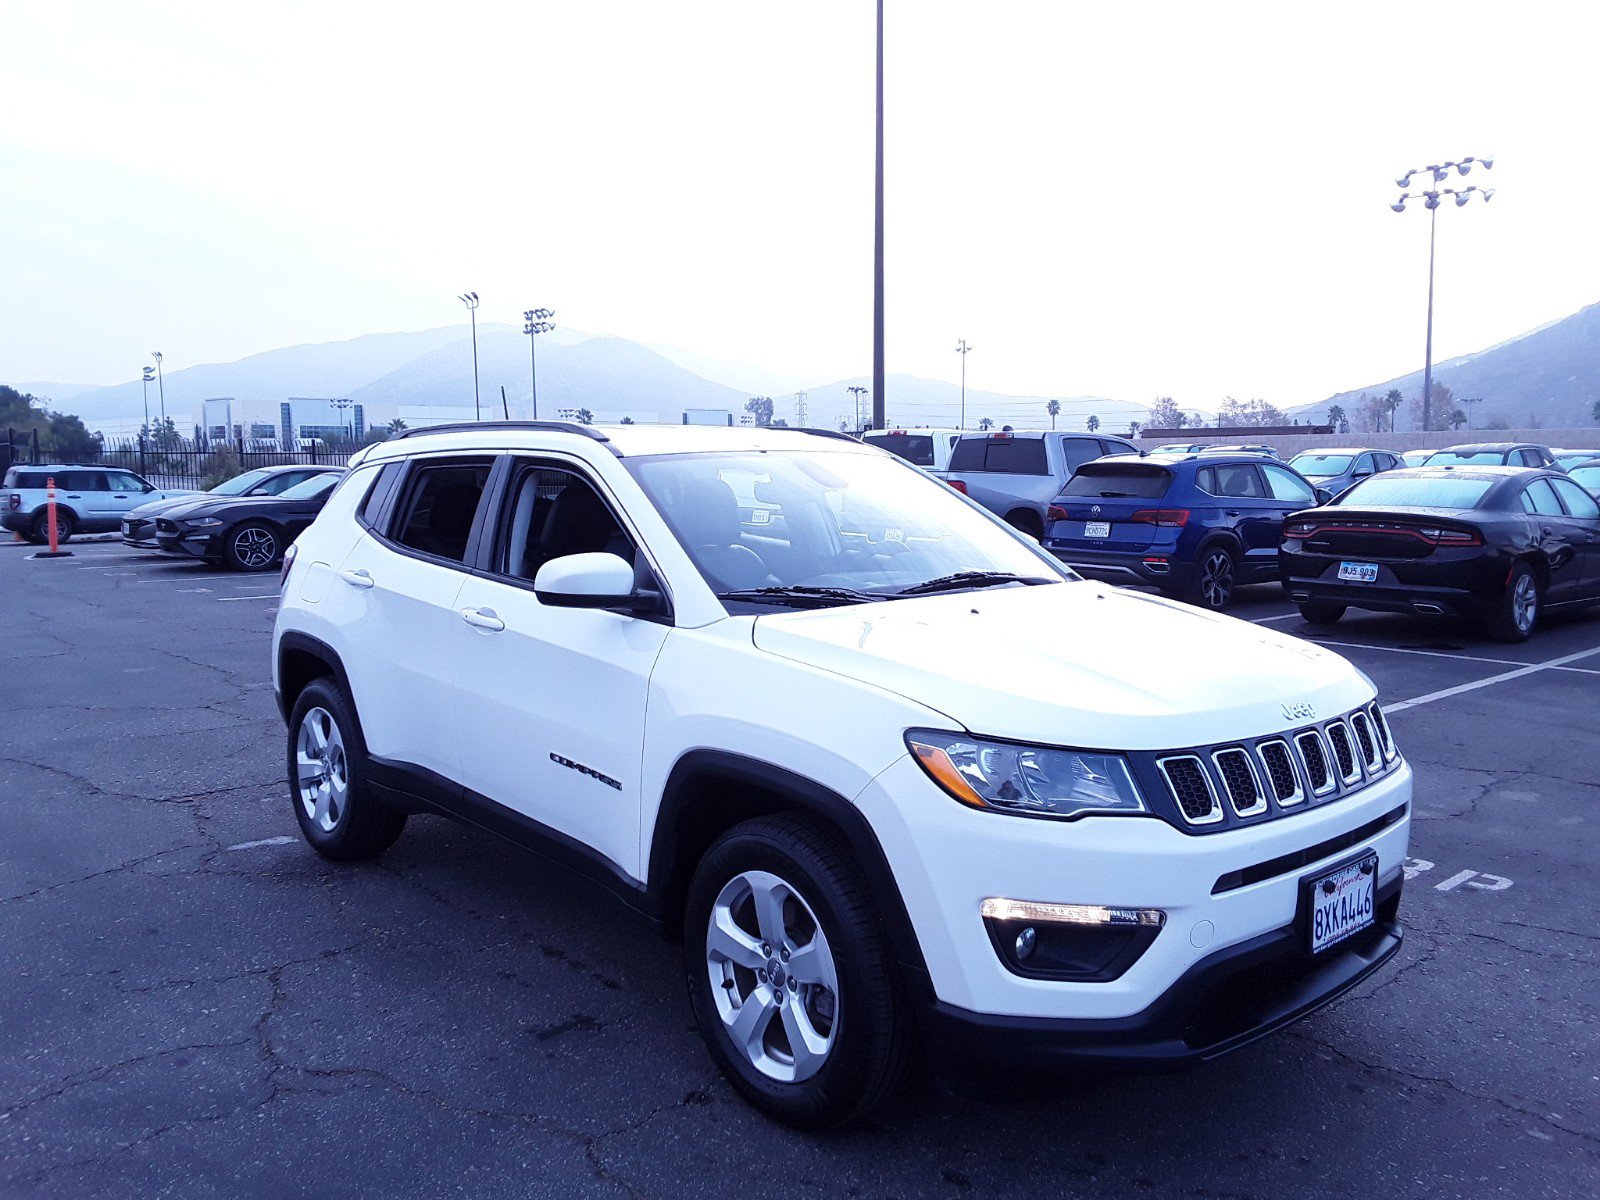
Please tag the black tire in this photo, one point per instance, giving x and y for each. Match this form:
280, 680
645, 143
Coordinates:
1514, 618
364, 826
1028, 522
66, 526
1215, 578
870, 1050
252, 546
1321, 614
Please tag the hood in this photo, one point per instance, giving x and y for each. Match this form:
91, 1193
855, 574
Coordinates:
157, 508
204, 506
1074, 664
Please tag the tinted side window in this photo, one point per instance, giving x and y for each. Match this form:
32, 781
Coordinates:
1238, 480
1579, 503
1016, 456
82, 481
122, 481
1287, 487
551, 513
1364, 464
435, 512
1077, 451
1530, 458
374, 509
1540, 497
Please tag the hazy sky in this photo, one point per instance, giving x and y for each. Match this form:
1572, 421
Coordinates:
1115, 199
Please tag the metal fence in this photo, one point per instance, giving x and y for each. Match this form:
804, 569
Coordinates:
172, 462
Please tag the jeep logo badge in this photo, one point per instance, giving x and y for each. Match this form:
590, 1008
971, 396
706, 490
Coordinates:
1299, 712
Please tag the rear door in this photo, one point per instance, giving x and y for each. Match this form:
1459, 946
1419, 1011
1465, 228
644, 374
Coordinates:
1583, 522
87, 493
1563, 540
1248, 509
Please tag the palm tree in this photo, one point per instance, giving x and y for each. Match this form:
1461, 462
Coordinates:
1392, 398
1595, 412
1336, 418
394, 427
585, 417
1093, 424
986, 423
1053, 407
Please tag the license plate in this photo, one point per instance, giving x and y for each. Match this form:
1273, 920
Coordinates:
1097, 529
1359, 572
1342, 902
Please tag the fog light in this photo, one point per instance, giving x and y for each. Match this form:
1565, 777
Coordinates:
1025, 943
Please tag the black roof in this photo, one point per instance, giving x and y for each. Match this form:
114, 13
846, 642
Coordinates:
1486, 447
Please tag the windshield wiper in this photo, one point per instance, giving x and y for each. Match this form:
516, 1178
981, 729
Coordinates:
799, 594
969, 579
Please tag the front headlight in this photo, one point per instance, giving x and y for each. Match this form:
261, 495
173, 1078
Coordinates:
202, 522
1025, 779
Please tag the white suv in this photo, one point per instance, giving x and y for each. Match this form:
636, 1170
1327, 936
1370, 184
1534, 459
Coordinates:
895, 776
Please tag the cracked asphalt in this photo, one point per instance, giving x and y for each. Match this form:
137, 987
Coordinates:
194, 1004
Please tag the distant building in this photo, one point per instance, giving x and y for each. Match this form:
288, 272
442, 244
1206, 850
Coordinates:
707, 416
285, 422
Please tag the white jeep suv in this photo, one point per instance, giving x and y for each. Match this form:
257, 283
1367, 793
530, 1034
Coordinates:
895, 776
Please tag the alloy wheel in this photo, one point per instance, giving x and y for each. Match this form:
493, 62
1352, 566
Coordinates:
773, 976
1216, 578
255, 547
1525, 602
322, 774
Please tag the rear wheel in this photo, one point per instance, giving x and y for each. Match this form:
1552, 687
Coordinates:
1321, 614
793, 989
1517, 615
1215, 577
333, 803
1027, 521
252, 546
66, 526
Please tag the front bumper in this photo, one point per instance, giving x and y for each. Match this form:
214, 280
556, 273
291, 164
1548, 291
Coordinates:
16, 521
195, 543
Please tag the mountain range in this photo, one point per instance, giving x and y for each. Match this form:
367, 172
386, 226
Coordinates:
1547, 377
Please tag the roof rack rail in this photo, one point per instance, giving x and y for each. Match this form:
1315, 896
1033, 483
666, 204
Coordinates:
466, 426
827, 433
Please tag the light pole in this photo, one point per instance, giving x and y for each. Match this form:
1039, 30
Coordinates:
534, 322
963, 349
857, 391
1469, 400
1437, 173
149, 374
878, 420
340, 406
161, 388
470, 299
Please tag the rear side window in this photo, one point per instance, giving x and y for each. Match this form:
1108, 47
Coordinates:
1540, 498
1077, 451
913, 447
1005, 456
374, 508
1236, 480
438, 504
1115, 480
1578, 502
83, 481
1118, 448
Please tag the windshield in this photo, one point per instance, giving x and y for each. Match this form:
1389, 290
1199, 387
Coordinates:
861, 523
913, 447
310, 489
1574, 457
1415, 458
240, 484
1385, 491
1481, 458
1321, 464
1587, 477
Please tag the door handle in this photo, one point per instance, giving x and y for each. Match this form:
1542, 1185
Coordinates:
482, 618
357, 578
1232, 512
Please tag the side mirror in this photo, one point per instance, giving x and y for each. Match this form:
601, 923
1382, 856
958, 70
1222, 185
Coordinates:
1361, 475
1324, 496
591, 581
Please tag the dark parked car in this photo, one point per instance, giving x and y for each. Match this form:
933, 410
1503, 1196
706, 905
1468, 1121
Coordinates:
1493, 454
247, 533
1498, 544
1567, 459
139, 524
1195, 525
1587, 475
1336, 470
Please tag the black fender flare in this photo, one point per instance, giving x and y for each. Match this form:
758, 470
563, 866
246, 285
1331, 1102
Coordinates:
304, 643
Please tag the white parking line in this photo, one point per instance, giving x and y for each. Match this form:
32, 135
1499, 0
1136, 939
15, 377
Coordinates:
1493, 679
1471, 658
1280, 617
262, 596
284, 841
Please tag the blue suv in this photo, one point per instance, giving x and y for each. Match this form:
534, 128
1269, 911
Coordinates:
1195, 526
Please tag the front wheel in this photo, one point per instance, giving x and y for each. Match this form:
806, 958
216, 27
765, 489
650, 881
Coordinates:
1517, 614
793, 990
1215, 577
252, 546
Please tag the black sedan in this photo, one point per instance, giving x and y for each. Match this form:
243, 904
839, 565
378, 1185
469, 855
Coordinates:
1497, 544
247, 533
139, 524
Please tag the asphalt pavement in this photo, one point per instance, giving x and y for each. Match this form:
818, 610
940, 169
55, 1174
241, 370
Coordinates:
194, 1004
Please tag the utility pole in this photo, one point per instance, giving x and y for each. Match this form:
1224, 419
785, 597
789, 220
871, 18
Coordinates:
857, 391
470, 299
963, 349
1437, 173
878, 418
149, 374
161, 388
800, 412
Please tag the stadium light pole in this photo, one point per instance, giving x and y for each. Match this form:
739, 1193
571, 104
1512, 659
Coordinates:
963, 349
1468, 401
1437, 173
534, 322
878, 419
470, 299
161, 388
857, 391
149, 374
339, 407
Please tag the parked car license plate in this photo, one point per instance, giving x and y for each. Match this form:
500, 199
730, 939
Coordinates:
1097, 529
1359, 572
1342, 902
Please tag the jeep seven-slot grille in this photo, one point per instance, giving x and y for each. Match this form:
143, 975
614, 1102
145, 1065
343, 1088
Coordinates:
1191, 789
1275, 775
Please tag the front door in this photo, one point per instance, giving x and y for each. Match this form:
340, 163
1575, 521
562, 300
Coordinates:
550, 704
